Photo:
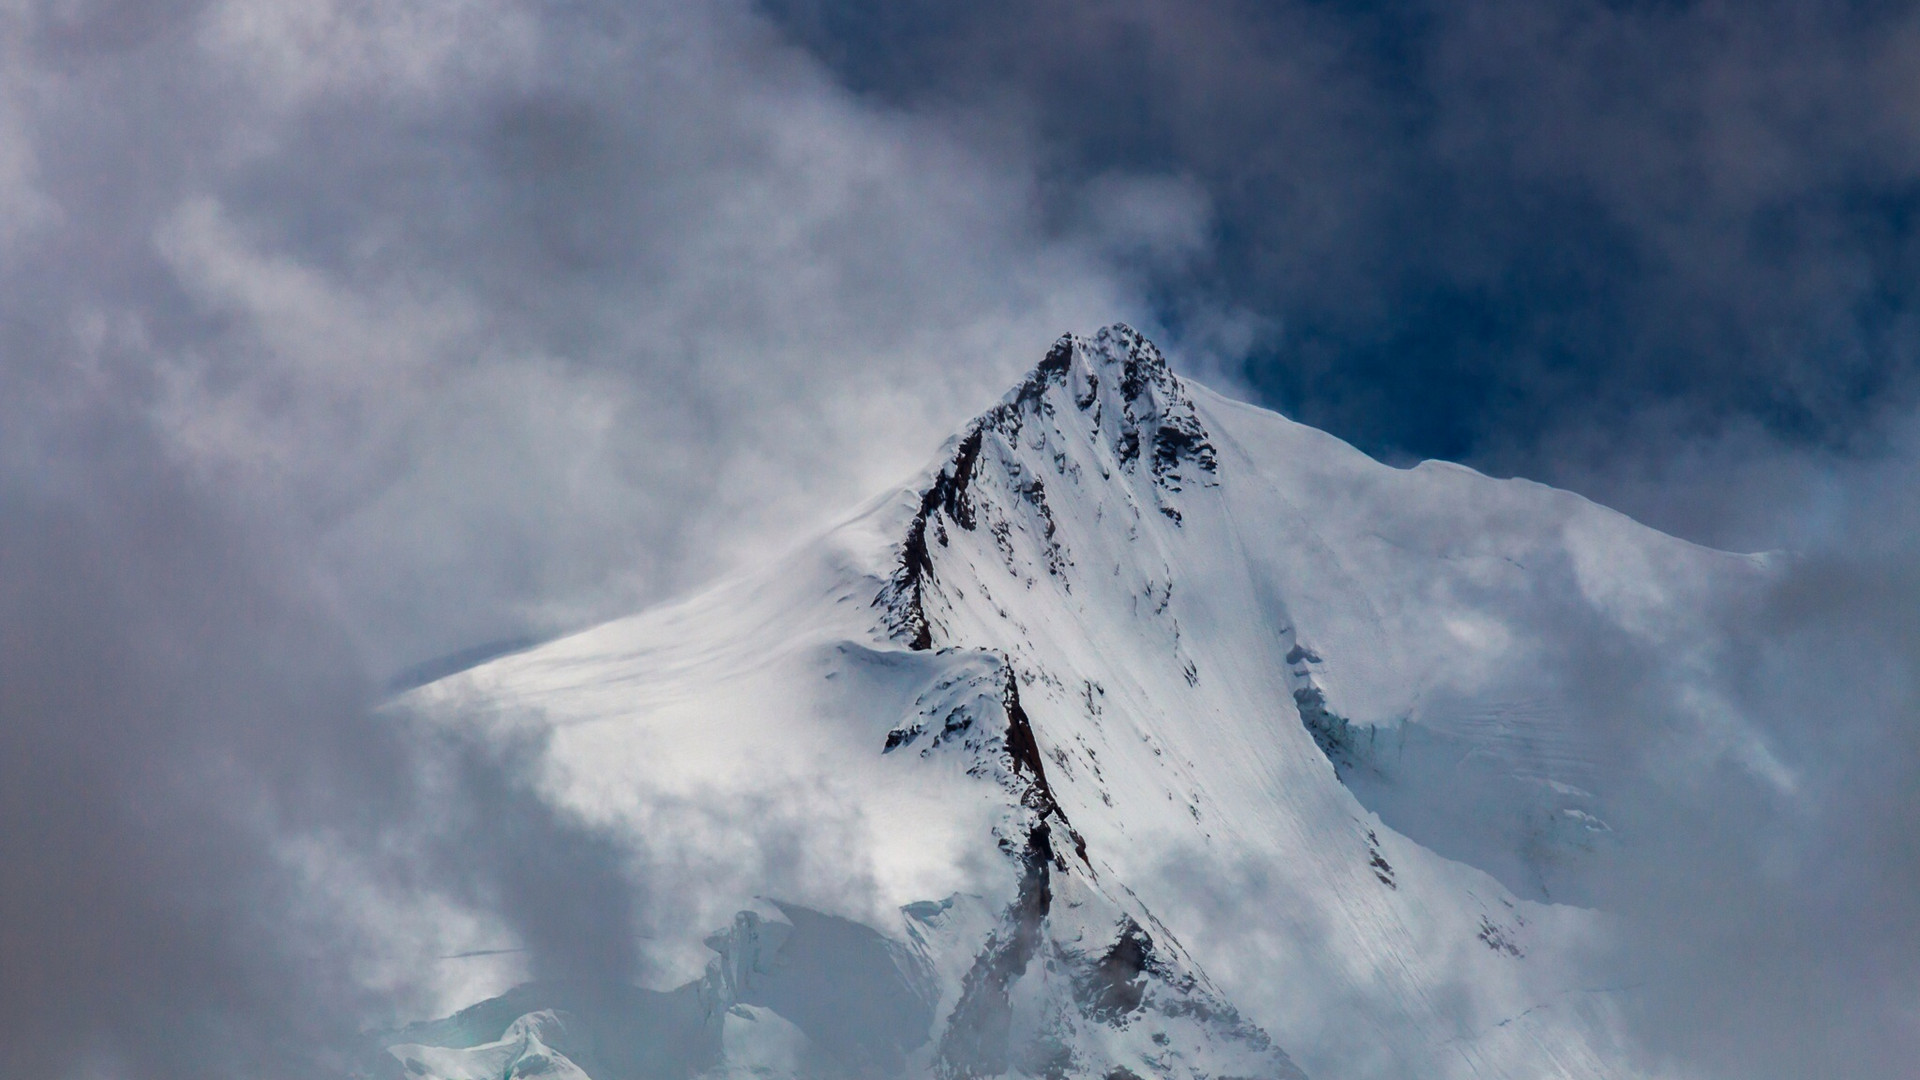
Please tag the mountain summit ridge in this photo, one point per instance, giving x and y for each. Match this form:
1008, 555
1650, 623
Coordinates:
1147, 735
1131, 398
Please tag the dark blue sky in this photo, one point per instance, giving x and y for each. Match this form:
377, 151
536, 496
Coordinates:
1482, 225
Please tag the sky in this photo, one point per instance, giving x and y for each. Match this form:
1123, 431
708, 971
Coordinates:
339, 336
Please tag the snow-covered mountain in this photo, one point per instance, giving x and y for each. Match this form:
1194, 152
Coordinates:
1147, 734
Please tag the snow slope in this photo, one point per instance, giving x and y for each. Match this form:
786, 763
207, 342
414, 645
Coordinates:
1147, 734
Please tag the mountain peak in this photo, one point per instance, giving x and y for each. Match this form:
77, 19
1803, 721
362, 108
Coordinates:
1108, 404
1116, 372
1134, 689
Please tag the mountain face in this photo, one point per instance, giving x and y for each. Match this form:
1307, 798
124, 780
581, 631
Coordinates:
1147, 734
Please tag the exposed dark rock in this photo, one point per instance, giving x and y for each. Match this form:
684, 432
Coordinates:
1157, 413
978, 1040
1180, 439
903, 598
1116, 984
1495, 938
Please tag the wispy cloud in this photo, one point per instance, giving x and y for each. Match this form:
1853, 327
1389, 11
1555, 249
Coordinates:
338, 336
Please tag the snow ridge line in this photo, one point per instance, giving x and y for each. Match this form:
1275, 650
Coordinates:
1156, 422
903, 597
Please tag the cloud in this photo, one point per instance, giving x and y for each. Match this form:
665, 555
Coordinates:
340, 336
165, 705
1658, 253
1773, 928
1479, 226
1757, 773
543, 312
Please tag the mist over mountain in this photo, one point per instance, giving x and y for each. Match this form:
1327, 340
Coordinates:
343, 345
1147, 734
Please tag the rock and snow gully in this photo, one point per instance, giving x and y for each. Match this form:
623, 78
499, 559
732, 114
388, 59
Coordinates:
1162, 737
